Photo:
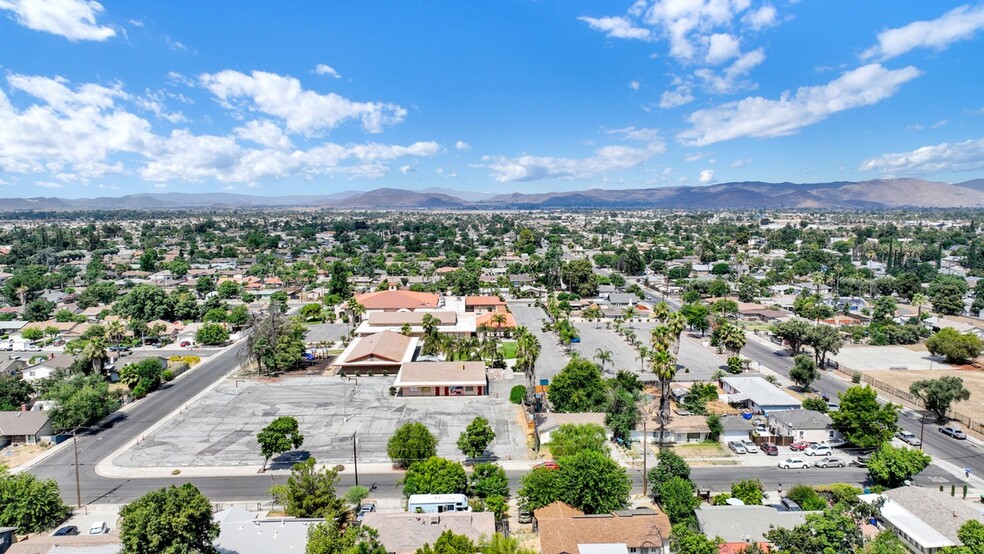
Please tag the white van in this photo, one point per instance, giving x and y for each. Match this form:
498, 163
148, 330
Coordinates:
437, 503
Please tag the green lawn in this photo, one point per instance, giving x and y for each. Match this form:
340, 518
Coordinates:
508, 350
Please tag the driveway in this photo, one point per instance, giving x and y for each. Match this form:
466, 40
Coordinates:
552, 358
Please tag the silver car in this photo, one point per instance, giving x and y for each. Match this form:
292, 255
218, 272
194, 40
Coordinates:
737, 447
909, 438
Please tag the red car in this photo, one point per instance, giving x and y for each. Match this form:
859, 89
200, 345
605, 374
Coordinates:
800, 446
547, 465
185, 344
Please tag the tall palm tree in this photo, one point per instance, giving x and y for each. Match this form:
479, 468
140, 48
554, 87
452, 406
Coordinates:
630, 312
676, 323
115, 331
499, 319
603, 357
661, 311
22, 294
664, 366
919, 300
643, 356
358, 310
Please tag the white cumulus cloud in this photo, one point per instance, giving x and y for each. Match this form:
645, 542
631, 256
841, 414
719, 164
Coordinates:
741, 162
322, 69
721, 47
604, 160
761, 117
462, 145
642, 134
957, 24
303, 111
960, 156
706, 176
617, 27
72, 19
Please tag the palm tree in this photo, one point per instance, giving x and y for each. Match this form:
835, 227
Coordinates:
603, 357
676, 323
664, 366
358, 309
661, 311
643, 356
919, 300
499, 319
115, 331
629, 312
22, 294
94, 353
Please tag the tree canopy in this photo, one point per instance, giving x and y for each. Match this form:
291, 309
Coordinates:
578, 388
435, 476
410, 443
281, 435
310, 492
172, 520
30, 504
863, 421
476, 438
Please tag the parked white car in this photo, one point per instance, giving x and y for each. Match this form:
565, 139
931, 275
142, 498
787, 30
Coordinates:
817, 449
827, 461
794, 463
750, 446
99, 528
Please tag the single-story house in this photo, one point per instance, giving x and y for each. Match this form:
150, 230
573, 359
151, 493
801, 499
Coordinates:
735, 428
567, 530
926, 519
380, 353
622, 299
243, 532
744, 523
803, 425
548, 422
398, 300
403, 533
25, 427
448, 323
442, 379
681, 429
757, 394
484, 304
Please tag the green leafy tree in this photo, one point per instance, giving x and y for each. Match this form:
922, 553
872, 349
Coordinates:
594, 483
501, 544
356, 494
14, 392
410, 443
622, 414
212, 333
310, 492
476, 438
569, 439
578, 388
328, 538
143, 376
971, 534
229, 289
807, 497
238, 317
884, 310
540, 487
886, 542
794, 332
946, 293
39, 310
863, 421
831, 532
684, 539
938, 394
32, 333
677, 498
749, 491
30, 504
435, 476
81, 400
816, 404
891, 466
279, 299
804, 371
282, 435
489, 480
145, 302
825, 339
275, 344
669, 464
170, 520
449, 543
955, 347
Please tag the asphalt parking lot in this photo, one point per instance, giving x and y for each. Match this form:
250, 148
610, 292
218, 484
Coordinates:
220, 429
552, 358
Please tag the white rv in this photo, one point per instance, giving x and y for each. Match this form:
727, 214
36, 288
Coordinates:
437, 503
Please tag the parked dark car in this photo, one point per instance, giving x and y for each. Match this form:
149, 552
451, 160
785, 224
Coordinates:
769, 449
66, 531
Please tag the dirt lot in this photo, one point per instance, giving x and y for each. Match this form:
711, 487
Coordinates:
13, 456
973, 379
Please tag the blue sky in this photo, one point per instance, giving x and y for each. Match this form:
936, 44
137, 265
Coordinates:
314, 97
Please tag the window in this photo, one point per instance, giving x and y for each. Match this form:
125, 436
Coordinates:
469, 389
425, 389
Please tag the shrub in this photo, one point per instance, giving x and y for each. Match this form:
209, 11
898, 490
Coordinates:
517, 394
856, 377
167, 376
806, 497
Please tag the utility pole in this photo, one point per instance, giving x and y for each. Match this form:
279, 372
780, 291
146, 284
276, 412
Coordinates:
922, 428
78, 483
645, 457
355, 458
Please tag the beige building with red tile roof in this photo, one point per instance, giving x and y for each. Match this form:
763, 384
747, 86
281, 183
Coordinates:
396, 300
442, 379
380, 353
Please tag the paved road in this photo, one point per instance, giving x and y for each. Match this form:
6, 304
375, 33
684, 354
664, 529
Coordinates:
962, 453
552, 359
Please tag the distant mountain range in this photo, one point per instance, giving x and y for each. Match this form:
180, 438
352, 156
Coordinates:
874, 194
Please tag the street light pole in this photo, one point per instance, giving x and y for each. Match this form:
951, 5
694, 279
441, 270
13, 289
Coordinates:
78, 483
355, 458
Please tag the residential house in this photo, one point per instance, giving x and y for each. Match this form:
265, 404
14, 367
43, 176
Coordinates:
484, 304
744, 523
755, 393
567, 530
243, 532
381, 353
398, 300
926, 519
802, 425
681, 429
442, 379
47, 367
403, 533
734, 428
622, 299
548, 422
448, 323
25, 427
